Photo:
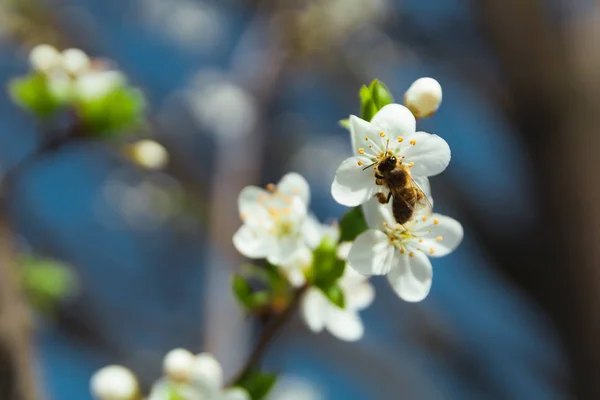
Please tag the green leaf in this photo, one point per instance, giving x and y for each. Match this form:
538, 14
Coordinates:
45, 282
335, 294
31, 92
119, 110
352, 224
380, 94
344, 123
175, 394
327, 268
373, 99
241, 290
257, 384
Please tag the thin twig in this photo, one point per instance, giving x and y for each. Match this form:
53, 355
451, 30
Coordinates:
269, 334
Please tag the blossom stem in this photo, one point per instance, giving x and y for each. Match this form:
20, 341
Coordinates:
269, 334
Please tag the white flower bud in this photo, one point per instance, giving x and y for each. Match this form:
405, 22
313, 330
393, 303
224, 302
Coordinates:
423, 97
60, 85
75, 61
96, 84
149, 154
179, 364
114, 383
44, 58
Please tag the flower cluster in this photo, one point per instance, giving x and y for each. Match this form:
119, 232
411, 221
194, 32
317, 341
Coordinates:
398, 250
186, 376
96, 93
278, 227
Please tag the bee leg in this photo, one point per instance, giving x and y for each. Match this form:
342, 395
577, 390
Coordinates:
382, 198
379, 181
378, 175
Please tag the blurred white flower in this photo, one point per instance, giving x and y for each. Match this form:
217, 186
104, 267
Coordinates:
292, 387
75, 61
205, 382
319, 313
423, 97
391, 132
114, 383
273, 219
178, 365
401, 252
43, 58
95, 84
148, 154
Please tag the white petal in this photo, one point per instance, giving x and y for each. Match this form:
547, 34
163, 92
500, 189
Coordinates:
250, 202
293, 184
360, 296
377, 214
314, 309
411, 276
445, 236
344, 324
284, 248
395, 120
343, 250
251, 243
294, 268
114, 382
235, 394
311, 230
430, 154
352, 185
207, 371
75, 61
364, 134
423, 97
371, 253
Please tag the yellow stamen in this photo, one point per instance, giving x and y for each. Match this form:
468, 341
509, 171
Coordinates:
366, 138
411, 254
411, 164
436, 221
431, 251
361, 151
360, 163
400, 139
401, 251
413, 142
420, 240
439, 238
424, 218
382, 134
271, 187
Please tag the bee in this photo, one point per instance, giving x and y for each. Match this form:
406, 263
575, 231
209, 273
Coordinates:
406, 194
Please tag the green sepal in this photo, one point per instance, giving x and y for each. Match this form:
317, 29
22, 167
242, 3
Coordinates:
327, 268
344, 123
335, 294
45, 282
352, 224
373, 98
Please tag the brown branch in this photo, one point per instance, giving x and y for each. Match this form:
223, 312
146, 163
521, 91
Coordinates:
269, 334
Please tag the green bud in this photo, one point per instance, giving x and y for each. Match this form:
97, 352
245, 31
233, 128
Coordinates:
31, 92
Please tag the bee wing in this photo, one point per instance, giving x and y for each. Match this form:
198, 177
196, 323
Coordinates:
422, 184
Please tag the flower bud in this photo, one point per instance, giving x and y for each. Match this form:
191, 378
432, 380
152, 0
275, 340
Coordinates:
114, 383
423, 97
44, 58
179, 364
149, 154
75, 61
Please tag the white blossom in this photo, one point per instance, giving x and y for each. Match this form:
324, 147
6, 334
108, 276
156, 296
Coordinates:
423, 97
401, 251
149, 154
391, 132
75, 61
205, 383
319, 313
43, 58
273, 219
178, 365
95, 84
114, 382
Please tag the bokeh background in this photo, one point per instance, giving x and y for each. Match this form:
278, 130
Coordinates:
241, 92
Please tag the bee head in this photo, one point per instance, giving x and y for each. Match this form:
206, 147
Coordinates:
387, 164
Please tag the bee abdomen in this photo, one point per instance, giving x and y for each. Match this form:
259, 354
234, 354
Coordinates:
403, 209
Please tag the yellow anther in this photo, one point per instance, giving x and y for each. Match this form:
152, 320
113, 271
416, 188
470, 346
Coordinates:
271, 187
431, 251
382, 134
436, 221
286, 210
424, 218
411, 254
366, 138
411, 164
273, 212
420, 240
429, 230
244, 216
439, 238
385, 223
370, 146
413, 142
361, 151
400, 139
401, 251
360, 163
